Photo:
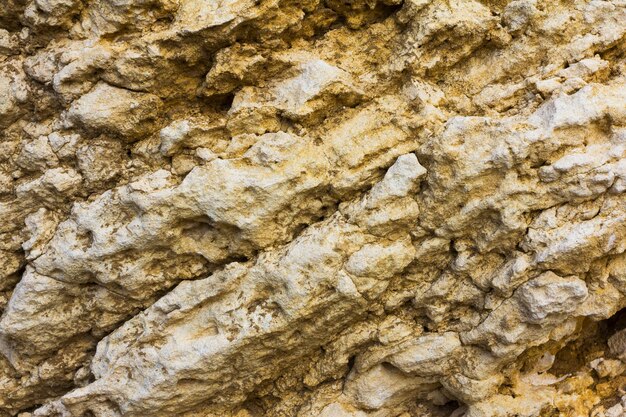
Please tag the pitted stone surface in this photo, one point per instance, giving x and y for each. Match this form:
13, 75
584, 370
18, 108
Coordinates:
303, 208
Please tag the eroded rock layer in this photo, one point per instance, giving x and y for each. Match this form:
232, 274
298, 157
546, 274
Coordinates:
294, 208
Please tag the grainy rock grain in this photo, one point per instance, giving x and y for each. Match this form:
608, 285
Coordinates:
302, 208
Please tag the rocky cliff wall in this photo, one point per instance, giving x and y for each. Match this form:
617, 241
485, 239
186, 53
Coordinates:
299, 208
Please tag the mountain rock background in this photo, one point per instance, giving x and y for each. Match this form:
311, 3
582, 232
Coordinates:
300, 208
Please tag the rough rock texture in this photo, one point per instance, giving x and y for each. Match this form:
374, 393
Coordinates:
334, 208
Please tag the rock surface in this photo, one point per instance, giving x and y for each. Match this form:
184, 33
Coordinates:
361, 208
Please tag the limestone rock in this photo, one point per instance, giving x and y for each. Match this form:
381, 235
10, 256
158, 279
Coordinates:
115, 110
303, 208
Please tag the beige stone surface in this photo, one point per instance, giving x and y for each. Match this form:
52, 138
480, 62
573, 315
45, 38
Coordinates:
364, 208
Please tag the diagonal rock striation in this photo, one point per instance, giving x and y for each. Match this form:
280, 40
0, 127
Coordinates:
312, 208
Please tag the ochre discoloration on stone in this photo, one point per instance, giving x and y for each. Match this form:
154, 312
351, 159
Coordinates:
312, 208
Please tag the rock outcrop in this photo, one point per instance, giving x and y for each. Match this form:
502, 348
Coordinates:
304, 208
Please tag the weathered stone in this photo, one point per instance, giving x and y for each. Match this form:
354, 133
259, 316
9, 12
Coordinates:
309, 208
116, 110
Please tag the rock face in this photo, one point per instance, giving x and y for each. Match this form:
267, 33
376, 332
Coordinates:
363, 208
